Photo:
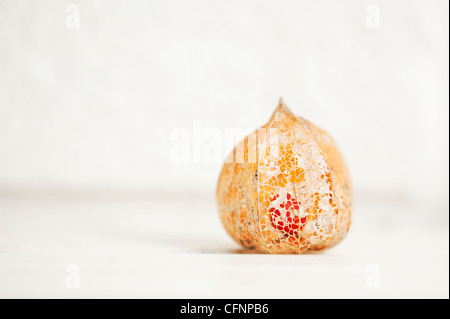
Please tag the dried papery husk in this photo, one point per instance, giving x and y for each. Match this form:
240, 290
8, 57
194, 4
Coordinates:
285, 188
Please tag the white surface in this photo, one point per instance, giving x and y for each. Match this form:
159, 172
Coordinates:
137, 248
90, 111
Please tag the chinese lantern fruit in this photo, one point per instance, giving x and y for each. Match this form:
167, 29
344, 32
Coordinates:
285, 188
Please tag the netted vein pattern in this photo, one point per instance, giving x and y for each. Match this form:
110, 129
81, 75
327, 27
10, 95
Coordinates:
285, 188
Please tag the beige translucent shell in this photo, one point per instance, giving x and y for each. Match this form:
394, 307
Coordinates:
285, 188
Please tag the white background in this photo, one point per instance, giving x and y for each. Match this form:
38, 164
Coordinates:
88, 113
